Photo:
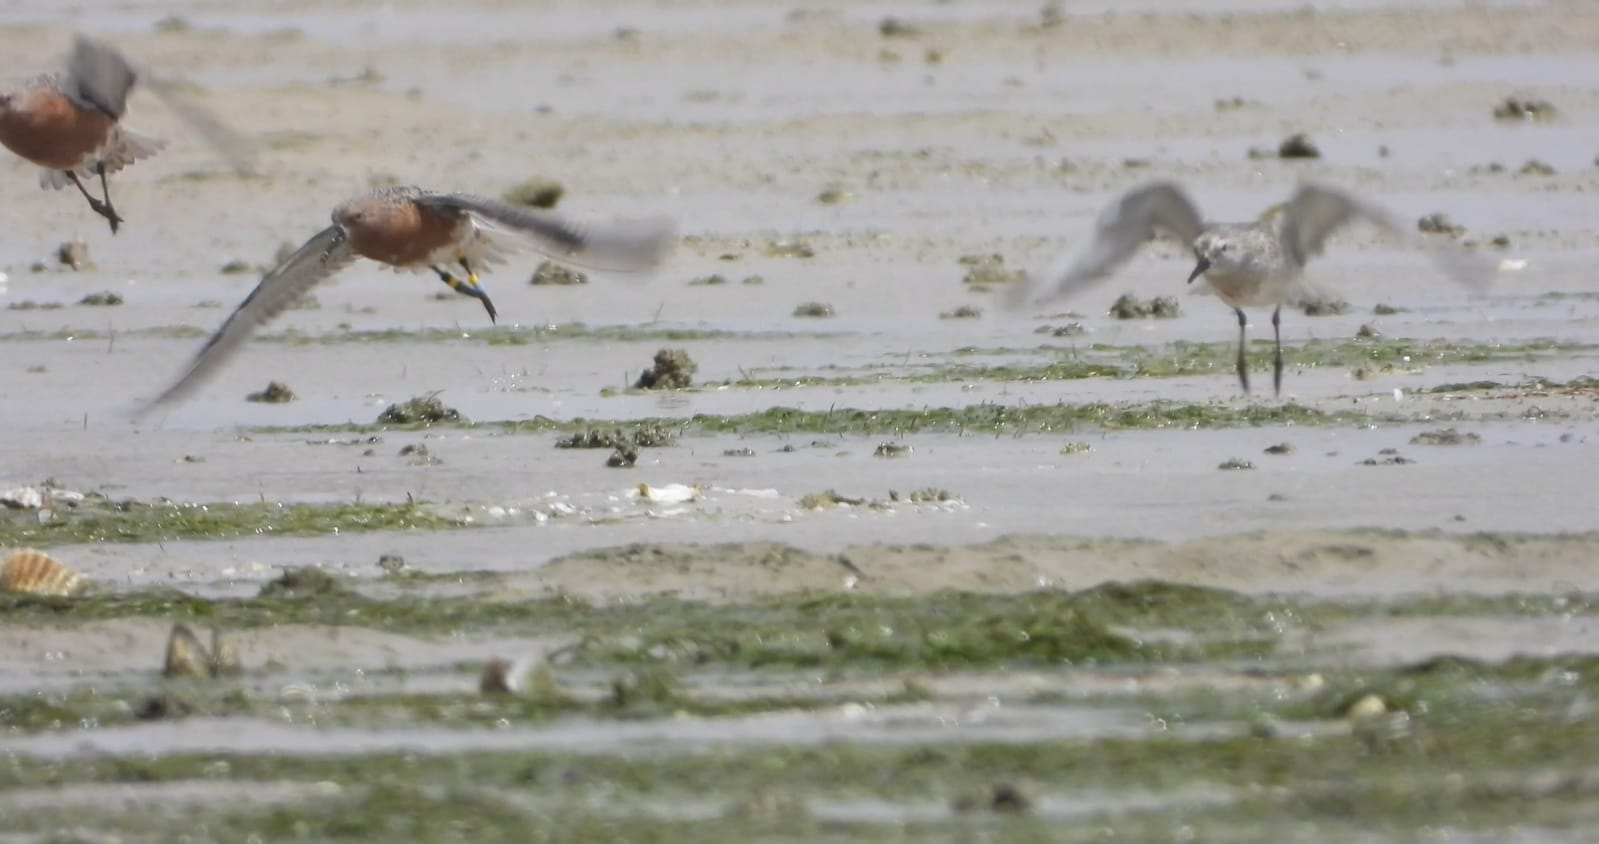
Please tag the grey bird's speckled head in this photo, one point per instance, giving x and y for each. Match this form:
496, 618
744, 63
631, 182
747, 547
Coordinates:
1226, 251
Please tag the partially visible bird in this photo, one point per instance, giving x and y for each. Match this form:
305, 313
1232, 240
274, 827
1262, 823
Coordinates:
411, 229
70, 123
1247, 265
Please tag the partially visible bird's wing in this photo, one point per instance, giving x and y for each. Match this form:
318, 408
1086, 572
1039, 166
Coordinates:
320, 257
618, 246
98, 76
1135, 217
238, 151
1315, 212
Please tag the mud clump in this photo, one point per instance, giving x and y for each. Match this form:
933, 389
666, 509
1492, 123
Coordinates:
551, 273
1235, 464
962, 312
535, 193
834, 195
276, 392
1280, 449
1446, 436
1534, 167
74, 255
892, 450
1517, 108
1324, 306
1070, 329
926, 495
235, 267
644, 436
985, 271
419, 454
1005, 798
827, 500
1440, 224
302, 582
814, 310
790, 249
1387, 310
673, 370
896, 28
1298, 146
103, 299
426, 409
1128, 306
1367, 331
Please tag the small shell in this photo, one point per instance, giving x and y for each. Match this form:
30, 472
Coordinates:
33, 572
669, 494
497, 679
529, 674
224, 655
186, 655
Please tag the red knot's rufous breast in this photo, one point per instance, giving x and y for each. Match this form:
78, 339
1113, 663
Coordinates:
415, 230
69, 123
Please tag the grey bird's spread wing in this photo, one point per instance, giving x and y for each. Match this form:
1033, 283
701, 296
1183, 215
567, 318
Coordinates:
98, 77
617, 247
1315, 212
1139, 215
320, 257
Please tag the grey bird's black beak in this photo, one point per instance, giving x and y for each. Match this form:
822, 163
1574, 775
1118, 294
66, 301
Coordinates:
1204, 264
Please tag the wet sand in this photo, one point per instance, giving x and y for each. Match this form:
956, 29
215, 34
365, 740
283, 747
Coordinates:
981, 128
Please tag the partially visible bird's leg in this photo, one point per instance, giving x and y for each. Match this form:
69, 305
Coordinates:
1243, 371
1277, 361
470, 287
103, 208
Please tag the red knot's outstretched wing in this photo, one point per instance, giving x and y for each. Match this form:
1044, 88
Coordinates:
320, 257
633, 246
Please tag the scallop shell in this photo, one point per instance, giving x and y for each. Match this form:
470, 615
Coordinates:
31, 572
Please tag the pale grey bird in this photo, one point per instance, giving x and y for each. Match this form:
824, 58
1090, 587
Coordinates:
411, 229
1247, 265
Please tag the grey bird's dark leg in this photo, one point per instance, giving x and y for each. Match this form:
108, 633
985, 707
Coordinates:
103, 208
1277, 361
1243, 370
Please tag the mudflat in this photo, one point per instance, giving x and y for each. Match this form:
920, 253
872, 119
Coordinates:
894, 565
